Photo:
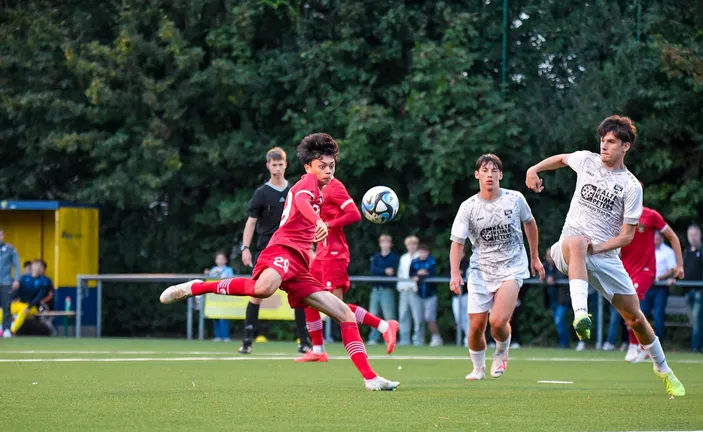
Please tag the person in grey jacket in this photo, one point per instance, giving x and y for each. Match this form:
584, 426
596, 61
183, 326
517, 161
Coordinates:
9, 259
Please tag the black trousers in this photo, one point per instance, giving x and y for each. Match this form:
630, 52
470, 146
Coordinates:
5, 298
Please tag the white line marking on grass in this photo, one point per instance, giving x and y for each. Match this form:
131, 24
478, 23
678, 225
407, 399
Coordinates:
226, 353
289, 358
555, 382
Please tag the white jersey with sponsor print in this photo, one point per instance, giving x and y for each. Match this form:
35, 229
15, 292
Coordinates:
603, 201
495, 231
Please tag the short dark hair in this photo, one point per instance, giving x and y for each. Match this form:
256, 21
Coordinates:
694, 225
423, 246
623, 128
316, 146
223, 253
26, 263
276, 154
489, 158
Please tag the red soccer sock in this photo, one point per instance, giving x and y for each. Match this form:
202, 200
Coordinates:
633, 338
313, 320
363, 317
356, 349
234, 286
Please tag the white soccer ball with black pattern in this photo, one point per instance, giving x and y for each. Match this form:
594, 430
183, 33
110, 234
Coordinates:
380, 205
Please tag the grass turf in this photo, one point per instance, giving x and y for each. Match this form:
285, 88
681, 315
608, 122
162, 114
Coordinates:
207, 386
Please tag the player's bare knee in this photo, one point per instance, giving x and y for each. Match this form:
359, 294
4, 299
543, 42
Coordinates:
264, 289
634, 321
498, 322
578, 247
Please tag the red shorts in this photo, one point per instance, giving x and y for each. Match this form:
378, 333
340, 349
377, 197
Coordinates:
642, 282
290, 264
332, 273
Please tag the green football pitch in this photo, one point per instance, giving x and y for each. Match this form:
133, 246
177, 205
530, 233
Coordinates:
173, 385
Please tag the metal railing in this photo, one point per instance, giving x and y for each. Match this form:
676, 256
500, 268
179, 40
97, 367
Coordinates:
83, 280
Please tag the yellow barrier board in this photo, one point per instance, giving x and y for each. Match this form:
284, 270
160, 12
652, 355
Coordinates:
231, 307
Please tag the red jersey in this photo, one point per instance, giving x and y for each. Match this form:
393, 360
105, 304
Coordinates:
336, 200
296, 231
639, 255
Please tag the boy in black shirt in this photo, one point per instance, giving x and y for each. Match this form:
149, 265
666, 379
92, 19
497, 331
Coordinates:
265, 210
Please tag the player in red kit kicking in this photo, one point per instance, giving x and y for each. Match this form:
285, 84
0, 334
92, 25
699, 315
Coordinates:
640, 262
285, 262
330, 268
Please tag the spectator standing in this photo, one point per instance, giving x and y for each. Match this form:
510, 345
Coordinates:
693, 271
383, 263
264, 217
220, 271
460, 302
9, 260
559, 301
406, 289
656, 298
421, 268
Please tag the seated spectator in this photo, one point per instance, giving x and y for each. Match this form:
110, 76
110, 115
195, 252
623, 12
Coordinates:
33, 289
559, 301
27, 266
422, 267
220, 271
382, 303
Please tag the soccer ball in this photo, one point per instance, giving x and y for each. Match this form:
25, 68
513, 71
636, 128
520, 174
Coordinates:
380, 204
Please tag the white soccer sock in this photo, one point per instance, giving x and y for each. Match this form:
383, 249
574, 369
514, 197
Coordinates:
579, 296
501, 347
382, 326
318, 349
478, 358
657, 354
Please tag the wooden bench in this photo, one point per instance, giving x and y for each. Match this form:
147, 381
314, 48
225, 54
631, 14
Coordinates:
678, 306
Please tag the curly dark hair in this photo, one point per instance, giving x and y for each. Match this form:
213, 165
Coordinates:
622, 127
317, 145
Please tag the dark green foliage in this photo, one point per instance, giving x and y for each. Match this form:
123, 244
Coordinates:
162, 111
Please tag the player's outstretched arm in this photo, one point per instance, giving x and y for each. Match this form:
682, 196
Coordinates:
351, 216
673, 240
455, 252
552, 163
532, 233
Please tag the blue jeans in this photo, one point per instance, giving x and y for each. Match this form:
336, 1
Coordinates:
560, 321
418, 310
695, 301
656, 299
382, 302
614, 327
460, 307
407, 309
221, 328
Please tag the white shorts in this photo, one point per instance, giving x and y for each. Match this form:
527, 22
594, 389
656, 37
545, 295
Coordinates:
481, 293
605, 272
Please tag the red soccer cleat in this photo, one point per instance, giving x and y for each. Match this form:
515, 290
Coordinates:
390, 336
313, 357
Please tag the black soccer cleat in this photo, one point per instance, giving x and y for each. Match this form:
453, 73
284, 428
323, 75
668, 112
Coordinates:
246, 347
